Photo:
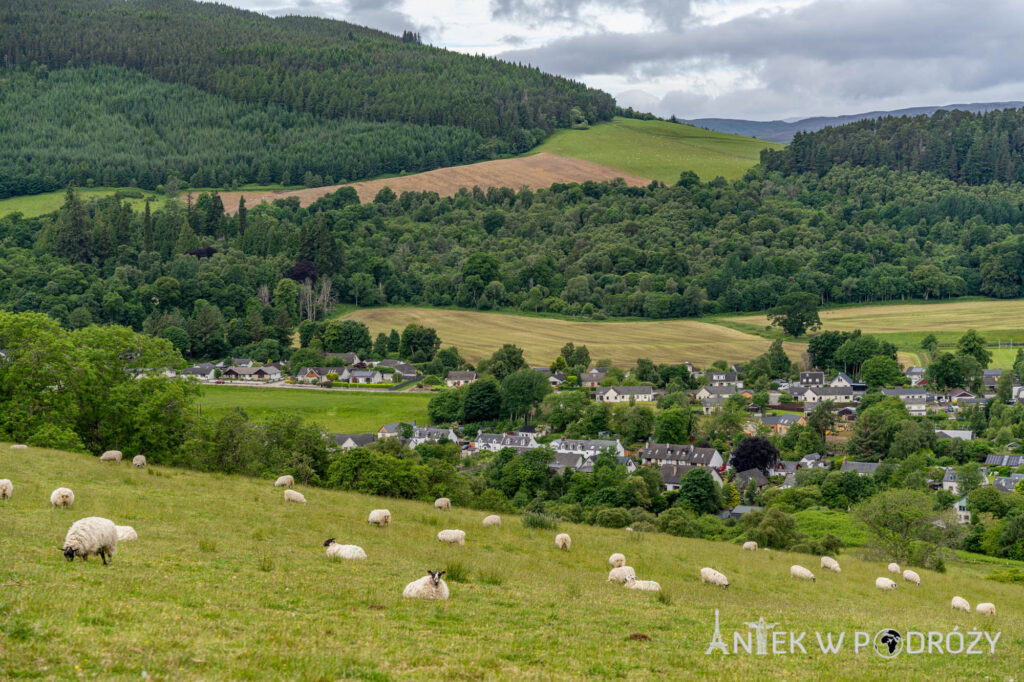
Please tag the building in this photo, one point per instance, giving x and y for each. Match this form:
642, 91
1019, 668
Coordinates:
1004, 460
456, 378
738, 512
1007, 484
862, 468
659, 454
963, 514
945, 434
624, 394
672, 473
587, 447
812, 379
915, 399
949, 481
718, 378
345, 358
743, 479
495, 442
347, 441
593, 378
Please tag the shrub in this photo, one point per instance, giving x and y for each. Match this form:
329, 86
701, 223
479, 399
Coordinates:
612, 518
1013, 576
537, 520
326, 384
431, 380
639, 514
678, 521
644, 527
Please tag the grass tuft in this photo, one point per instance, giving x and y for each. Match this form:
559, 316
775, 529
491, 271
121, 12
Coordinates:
538, 520
456, 572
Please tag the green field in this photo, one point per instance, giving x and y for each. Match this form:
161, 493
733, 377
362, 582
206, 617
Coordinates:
335, 411
658, 149
228, 581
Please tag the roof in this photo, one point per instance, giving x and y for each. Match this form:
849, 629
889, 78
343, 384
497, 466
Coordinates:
721, 376
950, 433
1007, 484
812, 457
743, 478
349, 358
363, 373
671, 473
564, 460
786, 467
860, 467
360, 439
949, 476
812, 374
456, 375
571, 445
681, 453
1004, 460
780, 420
626, 390
904, 392
719, 390
738, 510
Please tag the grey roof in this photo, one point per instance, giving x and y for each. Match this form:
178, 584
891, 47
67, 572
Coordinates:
349, 358
862, 468
671, 473
786, 467
811, 457
721, 376
904, 392
564, 460
780, 419
681, 453
363, 373
719, 390
743, 478
1007, 484
571, 445
949, 476
631, 390
1004, 460
594, 375
737, 511
455, 375
360, 439
950, 433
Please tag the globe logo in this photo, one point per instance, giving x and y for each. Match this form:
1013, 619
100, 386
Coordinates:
888, 643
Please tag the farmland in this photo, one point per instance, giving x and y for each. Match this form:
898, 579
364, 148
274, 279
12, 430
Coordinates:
40, 204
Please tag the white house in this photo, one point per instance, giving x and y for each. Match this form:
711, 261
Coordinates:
456, 379
623, 394
916, 399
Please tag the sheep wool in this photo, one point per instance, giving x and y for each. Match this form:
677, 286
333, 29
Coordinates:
621, 574
6, 488
617, 560
62, 497
452, 537
801, 573
492, 520
911, 577
643, 585
111, 456
750, 546
884, 584
380, 517
831, 564
894, 568
284, 482
443, 503
336, 551
19, 446
90, 536
126, 534
710, 575
986, 608
563, 541
430, 586
139, 461
294, 496
961, 604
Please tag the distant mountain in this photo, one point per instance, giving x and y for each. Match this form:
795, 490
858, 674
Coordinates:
783, 131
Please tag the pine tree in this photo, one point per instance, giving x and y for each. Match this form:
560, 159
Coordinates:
243, 217
72, 240
730, 495
147, 230
187, 239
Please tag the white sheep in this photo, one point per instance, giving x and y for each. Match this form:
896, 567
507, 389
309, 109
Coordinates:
831, 564
379, 517
126, 534
443, 503
285, 481
884, 584
617, 560
894, 568
800, 572
453, 537
911, 577
986, 608
961, 604
294, 496
139, 461
644, 585
428, 587
62, 497
492, 520
621, 574
710, 575
6, 488
19, 446
111, 456
563, 541
750, 546
336, 551
89, 536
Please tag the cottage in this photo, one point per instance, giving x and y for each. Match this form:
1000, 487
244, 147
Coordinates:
593, 378
457, 378
241, 362
743, 479
837, 394
785, 468
345, 358
659, 454
738, 512
672, 473
252, 373
963, 514
348, 441
319, 374
710, 392
587, 447
494, 442
432, 434
949, 481
717, 378
402, 370
861, 468
1007, 484
713, 404
624, 394
990, 377
813, 461
812, 379
206, 371
915, 399
780, 424
565, 460
365, 376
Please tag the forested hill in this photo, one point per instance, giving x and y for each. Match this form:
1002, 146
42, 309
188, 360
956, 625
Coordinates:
972, 148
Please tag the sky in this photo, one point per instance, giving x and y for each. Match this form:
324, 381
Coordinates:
755, 59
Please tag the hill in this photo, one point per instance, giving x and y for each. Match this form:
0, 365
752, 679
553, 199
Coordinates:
229, 581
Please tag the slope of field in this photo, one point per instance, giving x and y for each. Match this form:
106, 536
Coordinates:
35, 205
659, 149
477, 335
335, 411
228, 581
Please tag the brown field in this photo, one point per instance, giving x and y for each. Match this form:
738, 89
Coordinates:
477, 335
536, 172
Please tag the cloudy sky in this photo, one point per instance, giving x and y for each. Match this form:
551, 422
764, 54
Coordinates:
759, 59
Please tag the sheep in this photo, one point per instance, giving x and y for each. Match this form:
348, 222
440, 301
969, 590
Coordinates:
750, 546
285, 481
617, 560
443, 503
621, 574
126, 534
89, 536
139, 461
430, 586
961, 604
19, 446
885, 584
294, 496
894, 568
986, 608
62, 497
563, 541
831, 564
111, 456
336, 551
380, 517
644, 585
710, 575
800, 572
6, 488
492, 520
452, 537
911, 577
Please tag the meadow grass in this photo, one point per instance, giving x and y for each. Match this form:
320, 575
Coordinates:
335, 411
227, 581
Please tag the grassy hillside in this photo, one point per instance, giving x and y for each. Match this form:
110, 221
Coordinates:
229, 581
40, 204
659, 149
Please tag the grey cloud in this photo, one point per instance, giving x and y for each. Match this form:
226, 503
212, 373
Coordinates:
513, 40
666, 13
384, 15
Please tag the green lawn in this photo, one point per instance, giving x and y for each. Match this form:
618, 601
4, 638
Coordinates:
658, 149
335, 411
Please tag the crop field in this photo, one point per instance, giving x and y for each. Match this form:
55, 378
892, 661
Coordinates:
336, 411
227, 580
477, 335
40, 204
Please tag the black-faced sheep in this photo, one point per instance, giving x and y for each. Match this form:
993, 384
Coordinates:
430, 586
90, 536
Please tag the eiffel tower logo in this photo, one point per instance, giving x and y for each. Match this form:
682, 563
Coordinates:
717, 643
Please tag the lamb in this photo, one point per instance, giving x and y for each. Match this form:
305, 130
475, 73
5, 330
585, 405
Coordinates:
563, 541
430, 586
750, 546
894, 568
492, 520
617, 560
455, 537
336, 551
6, 488
911, 577
19, 446
294, 496
986, 608
62, 497
710, 575
111, 456
961, 604
285, 481
884, 584
621, 574
139, 461
126, 534
380, 517
443, 503
90, 536
644, 585
831, 564
801, 573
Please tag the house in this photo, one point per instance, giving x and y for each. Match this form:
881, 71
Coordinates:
813, 461
949, 481
713, 404
785, 468
945, 434
862, 468
347, 441
565, 460
743, 479
402, 369
915, 399
318, 374
345, 358
777, 424
531, 430
624, 394
847, 413
710, 392
205, 371
393, 430
457, 378
812, 379
494, 442
659, 454
241, 362
990, 377
915, 374
737, 512
963, 514
365, 376
959, 394
1004, 460
672, 473
1007, 484
587, 447
432, 434
593, 378
843, 380
556, 378
717, 378
252, 373
818, 394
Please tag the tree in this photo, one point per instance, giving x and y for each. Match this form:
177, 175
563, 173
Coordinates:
699, 492
986, 499
896, 518
445, 407
778, 362
881, 370
645, 371
73, 228
673, 425
930, 343
796, 313
633, 422
482, 402
346, 336
730, 496
504, 361
522, 391
775, 529
968, 477
563, 408
1004, 387
972, 344
755, 453
418, 344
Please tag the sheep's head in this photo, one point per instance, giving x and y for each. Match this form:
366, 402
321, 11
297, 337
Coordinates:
435, 576
328, 542
69, 553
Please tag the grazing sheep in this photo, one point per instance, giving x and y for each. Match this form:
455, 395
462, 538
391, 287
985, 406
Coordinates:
62, 497
961, 604
111, 456
285, 481
126, 534
621, 574
19, 446
6, 488
89, 536
428, 587
911, 577
750, 546
443, 503
986, 608
336, 551
894, 568
831, 564
801, 573
617, 560
563, 541
644, 585
380, 517
710, 575
492, 520
455, 537
884, 584
294, 496
139, 461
